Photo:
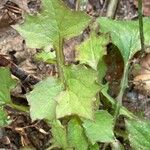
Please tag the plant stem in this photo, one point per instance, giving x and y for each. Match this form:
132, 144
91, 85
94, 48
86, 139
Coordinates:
124, 83
19, 107
77, 5
60, 60
123, 86
112, 8
112, 101
141, 24
124, 80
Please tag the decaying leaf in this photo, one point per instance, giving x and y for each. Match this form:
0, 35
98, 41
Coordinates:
142, 80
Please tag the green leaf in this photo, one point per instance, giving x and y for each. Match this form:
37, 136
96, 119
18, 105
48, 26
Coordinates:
92, 49
125, 35
101, 69
101, 129
6, 84
139, 134
94, 147
3, 117
76, 136
59, 135
53, 23
42, 99
79, 96
48, 57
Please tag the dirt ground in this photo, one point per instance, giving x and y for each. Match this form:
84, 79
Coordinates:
21, 131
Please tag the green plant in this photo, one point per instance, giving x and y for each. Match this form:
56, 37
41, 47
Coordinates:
74, 96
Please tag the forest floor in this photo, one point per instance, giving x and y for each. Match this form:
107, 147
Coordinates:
13, 51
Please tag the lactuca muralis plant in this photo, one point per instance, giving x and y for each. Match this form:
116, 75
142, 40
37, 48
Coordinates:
73, 97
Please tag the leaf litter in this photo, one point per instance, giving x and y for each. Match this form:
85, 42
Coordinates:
21, 126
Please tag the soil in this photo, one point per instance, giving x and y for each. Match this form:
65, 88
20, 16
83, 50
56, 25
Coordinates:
22, 131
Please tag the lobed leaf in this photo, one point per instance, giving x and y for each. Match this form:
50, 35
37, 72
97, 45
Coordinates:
42, 99
101, 129
59, 139
53, 23
125, 35
139, 134
76, 136
79, 96
92, 50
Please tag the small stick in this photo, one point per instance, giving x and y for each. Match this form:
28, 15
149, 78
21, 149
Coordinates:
112, 8
104, 6
77, 5
16, 71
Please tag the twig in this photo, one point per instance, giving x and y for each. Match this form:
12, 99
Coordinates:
16, 71
104, 6
77, 5
112, 8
